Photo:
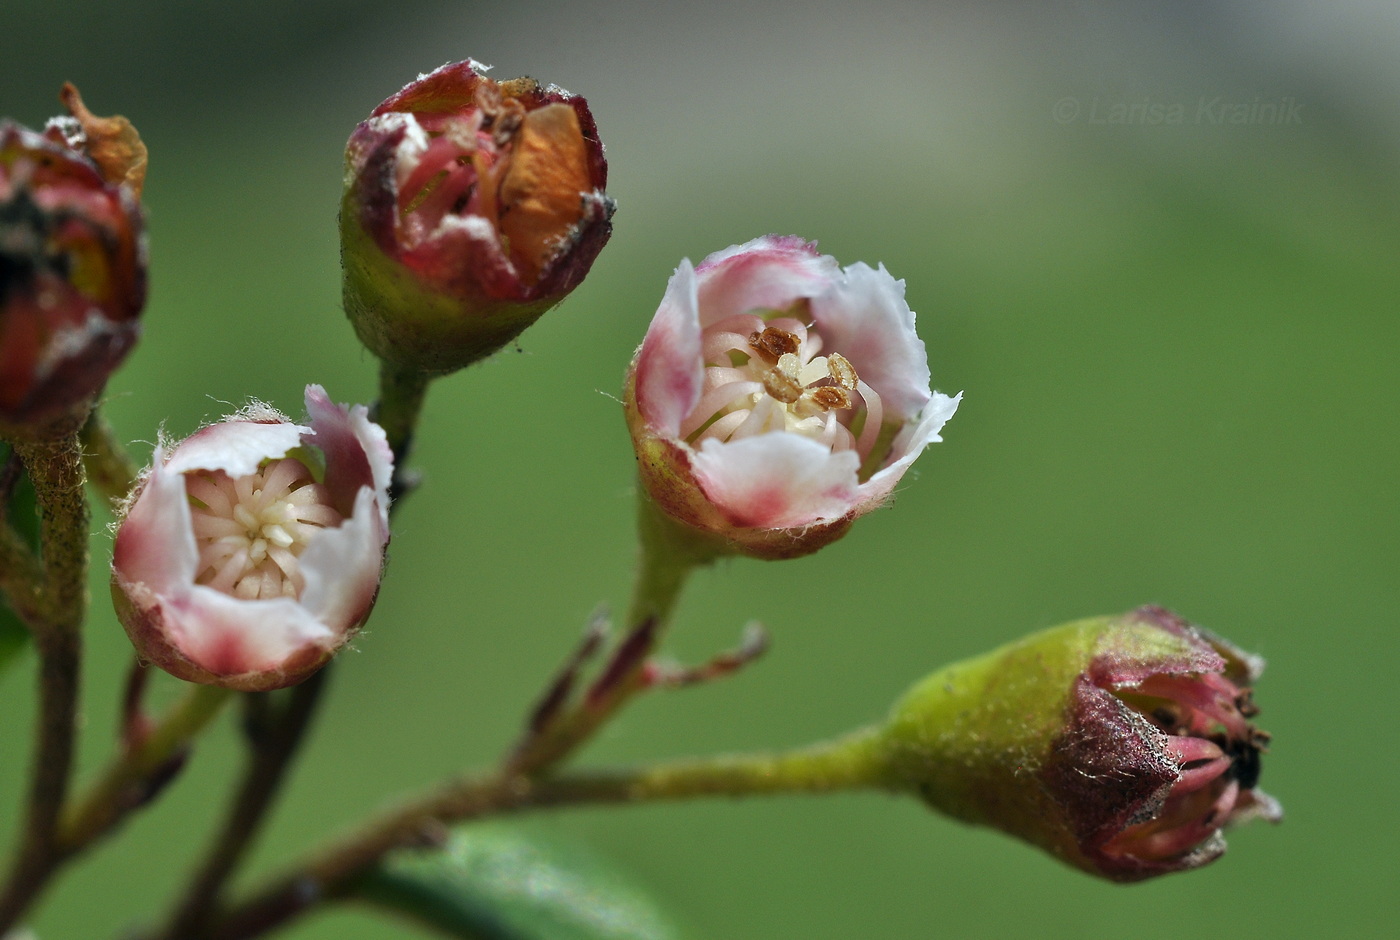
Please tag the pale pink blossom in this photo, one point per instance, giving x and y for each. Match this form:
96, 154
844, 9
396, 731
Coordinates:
252, 550
777, 397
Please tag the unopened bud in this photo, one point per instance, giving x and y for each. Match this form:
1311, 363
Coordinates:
471, 207
72, 273
1122, 745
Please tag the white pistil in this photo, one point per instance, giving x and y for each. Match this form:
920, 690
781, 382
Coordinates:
251, 531
763, 376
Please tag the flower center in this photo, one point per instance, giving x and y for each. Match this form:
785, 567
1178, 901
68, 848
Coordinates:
251, 530
769, 375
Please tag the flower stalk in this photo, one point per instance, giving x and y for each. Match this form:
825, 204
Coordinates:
669, 554
55, 467
126, 782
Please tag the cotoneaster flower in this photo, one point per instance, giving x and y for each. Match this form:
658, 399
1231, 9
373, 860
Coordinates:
251, 551
777, 397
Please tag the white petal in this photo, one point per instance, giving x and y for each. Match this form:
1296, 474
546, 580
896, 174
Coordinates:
356, 450
909, 444
229, 636
235, 447
670, 367
777, 480
342, 566
866, 319
771, 272
155, 544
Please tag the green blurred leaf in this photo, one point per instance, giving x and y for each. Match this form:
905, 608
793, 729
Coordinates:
23, 514
492, 883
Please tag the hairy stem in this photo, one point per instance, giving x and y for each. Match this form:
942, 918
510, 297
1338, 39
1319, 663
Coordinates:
275, 738
401, 394
109, 468
128, 782
55, 468
853, 762
669, 554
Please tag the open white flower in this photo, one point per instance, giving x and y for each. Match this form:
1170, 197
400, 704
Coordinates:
777, 397
252, 550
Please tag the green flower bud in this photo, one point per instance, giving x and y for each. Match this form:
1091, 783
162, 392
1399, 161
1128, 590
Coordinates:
1122, 745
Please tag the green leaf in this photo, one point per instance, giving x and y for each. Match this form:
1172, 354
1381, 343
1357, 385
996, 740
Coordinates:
493, 883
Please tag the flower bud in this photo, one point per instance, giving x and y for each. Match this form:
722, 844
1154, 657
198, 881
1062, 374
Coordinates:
471, 207
72, 274
251, 551
1122, 745
777, 397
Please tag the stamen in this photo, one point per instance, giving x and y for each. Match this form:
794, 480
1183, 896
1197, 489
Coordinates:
774, 343
251, 531
763, 376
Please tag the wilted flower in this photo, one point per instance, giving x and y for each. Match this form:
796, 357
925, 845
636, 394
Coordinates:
471, 207
251, 552
777, 397
72, 276
1123, 745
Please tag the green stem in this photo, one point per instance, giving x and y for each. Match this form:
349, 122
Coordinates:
401, 393
55, 468
850, 763
126, 782
669, 554
109, 468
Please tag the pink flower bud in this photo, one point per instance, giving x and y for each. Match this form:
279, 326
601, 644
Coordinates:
777, 397
251, 551
471, 207
1123, 745
72, 276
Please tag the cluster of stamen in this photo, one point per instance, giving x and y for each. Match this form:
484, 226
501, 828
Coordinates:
1205, 720
251, 530
769, 375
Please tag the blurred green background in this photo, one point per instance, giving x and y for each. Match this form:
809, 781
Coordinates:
1178, 344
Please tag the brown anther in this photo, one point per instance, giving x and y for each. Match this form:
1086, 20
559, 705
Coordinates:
829, 396
773, 343
1244, 703
782, 385
488, 101
507, 122
843, 373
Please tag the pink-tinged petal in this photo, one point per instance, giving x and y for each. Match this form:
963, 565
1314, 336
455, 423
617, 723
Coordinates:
777, 481
228, 636
155, 545
235, 447
767, 273
348, 468
865, 316
342, 567
669, 364
909, 444
287, 571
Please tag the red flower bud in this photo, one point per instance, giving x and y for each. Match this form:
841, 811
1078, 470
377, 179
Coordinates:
471, 206
72, 275
1123, 745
